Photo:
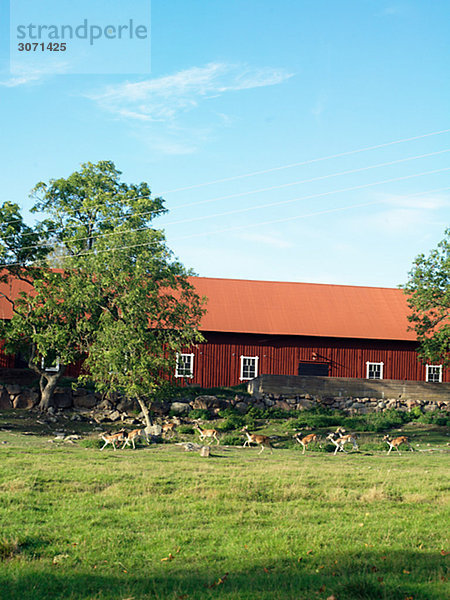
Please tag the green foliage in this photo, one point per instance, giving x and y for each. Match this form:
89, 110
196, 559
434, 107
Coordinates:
200, 413
428, 292
120, 298
185, 429
232, 439
435, 418
314, 420
231, 422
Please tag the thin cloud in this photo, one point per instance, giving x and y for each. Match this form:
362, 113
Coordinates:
165, 98
25, 75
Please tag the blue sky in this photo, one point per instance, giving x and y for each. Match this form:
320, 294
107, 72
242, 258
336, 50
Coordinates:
239, 91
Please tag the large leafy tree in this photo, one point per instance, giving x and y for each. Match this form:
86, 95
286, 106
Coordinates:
428, 293
119, 298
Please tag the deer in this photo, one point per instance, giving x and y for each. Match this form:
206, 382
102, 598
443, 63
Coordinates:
260, 440
168, 428
112, 438
308, 439
340, 442
134, 435
206, 433
395, 443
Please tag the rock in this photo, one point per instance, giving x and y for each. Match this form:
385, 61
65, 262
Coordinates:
114, 415
105, 405
180, 408
25, 400
87, 401
13, 389
304, 404
126, 406
205, 451
62, 399
241, 407
5, 402
155, 430
189, 446
207, 402
282, 404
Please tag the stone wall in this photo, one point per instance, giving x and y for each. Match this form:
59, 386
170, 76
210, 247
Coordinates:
351, 395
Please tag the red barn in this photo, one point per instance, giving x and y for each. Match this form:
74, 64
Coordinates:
263, 327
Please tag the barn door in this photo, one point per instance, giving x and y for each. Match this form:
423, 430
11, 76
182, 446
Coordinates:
313, 369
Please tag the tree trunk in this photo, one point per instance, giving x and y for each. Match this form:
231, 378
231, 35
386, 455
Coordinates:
148, 421
47, 381
47, 385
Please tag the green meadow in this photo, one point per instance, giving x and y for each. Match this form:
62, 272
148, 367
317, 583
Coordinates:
162, 523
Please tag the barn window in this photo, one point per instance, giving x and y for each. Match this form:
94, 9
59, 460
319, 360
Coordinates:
434, 373
185, 365
374, 370
49, 365
249, 367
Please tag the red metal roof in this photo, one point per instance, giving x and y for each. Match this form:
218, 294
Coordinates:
285, 308
308, 309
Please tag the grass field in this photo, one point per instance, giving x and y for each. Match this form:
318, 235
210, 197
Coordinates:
162, 523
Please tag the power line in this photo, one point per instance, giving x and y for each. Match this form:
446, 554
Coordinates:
241, 210
326, 211
308, 162
271, 188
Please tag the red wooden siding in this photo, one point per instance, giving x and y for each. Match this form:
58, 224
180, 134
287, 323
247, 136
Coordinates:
217, 362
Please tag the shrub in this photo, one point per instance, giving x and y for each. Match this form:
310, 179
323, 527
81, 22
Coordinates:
231, 422
280, 413
257, 413
185, 429
199, 413
314, 420
435, 419
231, 439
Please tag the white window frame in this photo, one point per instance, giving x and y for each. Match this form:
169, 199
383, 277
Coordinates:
54, 368
378, 364
243, 358
427, 376
191, 357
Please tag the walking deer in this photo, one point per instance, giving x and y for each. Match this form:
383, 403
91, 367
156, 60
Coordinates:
206, 433
395, 443
168, 428
113, 438
260, 440
340, 442
134, 435
308, 439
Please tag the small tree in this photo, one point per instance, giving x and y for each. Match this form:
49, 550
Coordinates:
120, 298
428, 293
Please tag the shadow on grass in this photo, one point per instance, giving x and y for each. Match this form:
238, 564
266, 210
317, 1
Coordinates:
397, 575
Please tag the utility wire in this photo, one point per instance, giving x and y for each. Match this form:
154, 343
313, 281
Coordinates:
307, 162
310, 161
248, 225
241, 210
261, 190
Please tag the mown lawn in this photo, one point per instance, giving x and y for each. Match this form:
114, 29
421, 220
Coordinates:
162, 523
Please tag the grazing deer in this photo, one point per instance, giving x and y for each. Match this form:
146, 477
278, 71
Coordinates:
206, 433
260, 440
340, 431
112, 438
395, 443
168, 428
312, 437
340, 442
134, 435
